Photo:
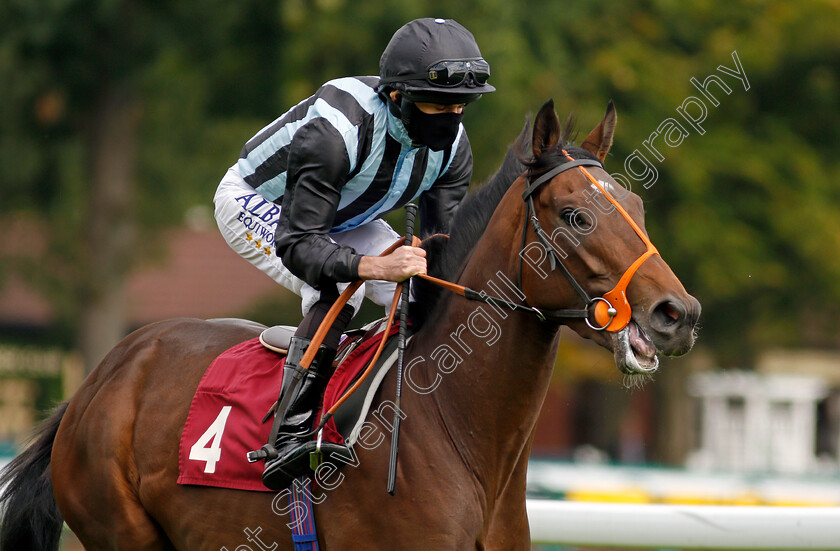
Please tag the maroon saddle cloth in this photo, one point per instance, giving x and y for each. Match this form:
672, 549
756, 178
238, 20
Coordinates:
225, 418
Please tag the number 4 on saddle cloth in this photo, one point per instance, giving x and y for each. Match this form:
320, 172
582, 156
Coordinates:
225, 420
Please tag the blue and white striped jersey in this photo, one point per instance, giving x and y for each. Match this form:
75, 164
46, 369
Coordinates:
340, 159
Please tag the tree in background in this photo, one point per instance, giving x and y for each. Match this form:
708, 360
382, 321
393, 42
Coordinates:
110, 128
744, 212
117, 116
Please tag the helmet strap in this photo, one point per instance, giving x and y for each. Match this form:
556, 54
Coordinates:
401, 108
393, 106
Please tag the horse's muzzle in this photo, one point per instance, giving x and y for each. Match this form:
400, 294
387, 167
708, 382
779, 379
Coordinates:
672, 324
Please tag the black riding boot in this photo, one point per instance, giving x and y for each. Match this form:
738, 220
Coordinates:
306, 387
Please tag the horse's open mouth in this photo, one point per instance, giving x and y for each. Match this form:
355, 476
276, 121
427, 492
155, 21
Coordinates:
634, 351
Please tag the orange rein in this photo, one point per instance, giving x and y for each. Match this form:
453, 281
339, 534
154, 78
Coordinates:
306, 361
332, 314
321, 333
394, 304
617, 298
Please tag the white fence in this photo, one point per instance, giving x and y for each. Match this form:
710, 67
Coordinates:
684, 526
681, 526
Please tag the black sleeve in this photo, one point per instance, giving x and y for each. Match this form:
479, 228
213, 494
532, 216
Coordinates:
438, 204
317, 169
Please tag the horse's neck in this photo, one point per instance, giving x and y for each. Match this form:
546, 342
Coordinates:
492, 366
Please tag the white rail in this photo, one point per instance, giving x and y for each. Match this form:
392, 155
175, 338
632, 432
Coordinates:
684, 526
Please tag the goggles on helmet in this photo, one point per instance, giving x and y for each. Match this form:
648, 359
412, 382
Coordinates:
449, 73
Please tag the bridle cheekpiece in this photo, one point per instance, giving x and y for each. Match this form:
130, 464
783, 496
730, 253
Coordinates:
611, 311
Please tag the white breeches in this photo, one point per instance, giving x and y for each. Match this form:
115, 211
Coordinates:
247, 222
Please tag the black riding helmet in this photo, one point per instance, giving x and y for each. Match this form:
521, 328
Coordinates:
434, 60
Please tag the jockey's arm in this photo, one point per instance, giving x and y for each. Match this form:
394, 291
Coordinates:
437, 207
397, 266
317, 160
318, 168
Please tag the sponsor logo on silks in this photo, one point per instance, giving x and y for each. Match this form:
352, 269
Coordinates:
262, 208
259, 244
259, 216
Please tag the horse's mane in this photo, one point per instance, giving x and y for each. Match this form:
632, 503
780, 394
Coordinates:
446, 257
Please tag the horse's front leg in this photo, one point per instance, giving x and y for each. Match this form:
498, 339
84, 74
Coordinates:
509, 528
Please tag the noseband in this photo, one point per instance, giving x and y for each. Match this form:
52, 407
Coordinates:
611, 311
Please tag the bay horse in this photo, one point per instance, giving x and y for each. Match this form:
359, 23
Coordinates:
107, 461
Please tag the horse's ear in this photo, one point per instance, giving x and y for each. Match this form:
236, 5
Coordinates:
546, 130
600, 139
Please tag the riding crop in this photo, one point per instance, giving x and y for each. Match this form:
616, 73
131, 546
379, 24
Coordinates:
410, 212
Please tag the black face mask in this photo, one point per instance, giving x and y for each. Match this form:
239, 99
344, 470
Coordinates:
436, 131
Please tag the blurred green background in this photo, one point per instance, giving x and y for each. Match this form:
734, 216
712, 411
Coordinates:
117, 118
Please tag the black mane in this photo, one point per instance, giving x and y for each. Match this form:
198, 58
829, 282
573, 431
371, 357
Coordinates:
446, 257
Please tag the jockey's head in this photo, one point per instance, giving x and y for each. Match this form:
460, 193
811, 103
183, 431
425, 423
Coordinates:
430, 69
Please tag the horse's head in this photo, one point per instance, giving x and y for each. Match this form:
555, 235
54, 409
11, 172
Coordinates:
581, 221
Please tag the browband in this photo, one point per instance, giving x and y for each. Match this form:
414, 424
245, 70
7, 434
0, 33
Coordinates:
532, 187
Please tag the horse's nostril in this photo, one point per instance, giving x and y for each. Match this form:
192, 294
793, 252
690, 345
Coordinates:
667, 314
670, 312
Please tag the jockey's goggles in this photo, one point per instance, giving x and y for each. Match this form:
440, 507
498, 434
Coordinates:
449, 73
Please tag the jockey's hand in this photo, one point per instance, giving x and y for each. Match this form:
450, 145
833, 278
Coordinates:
397, 266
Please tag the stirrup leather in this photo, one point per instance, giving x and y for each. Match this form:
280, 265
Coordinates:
297, 404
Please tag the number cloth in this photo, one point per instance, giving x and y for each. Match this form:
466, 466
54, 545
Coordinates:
225, 418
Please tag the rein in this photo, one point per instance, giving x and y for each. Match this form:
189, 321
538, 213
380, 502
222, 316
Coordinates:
481, 296
612, 311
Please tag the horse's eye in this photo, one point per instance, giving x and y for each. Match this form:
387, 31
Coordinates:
572, 217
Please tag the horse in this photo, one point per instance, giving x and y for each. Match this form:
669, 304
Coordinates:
476, 375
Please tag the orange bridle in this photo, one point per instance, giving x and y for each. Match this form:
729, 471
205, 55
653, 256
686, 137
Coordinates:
616, 298
612, 311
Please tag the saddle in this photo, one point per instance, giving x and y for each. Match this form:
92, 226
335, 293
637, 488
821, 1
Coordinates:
352, 359
240, 386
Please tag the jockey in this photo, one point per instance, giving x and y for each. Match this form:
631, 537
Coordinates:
304, 201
